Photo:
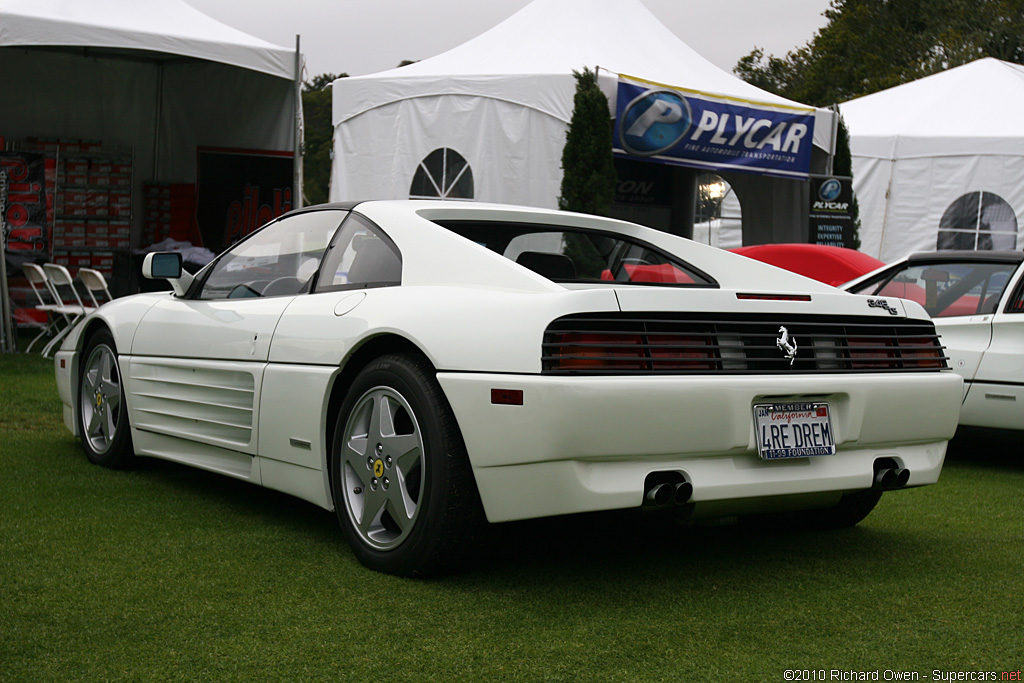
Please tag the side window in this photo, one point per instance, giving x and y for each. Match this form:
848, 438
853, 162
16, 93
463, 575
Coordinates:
948, 289
1016, 302
361, 256
582, 256
278, 260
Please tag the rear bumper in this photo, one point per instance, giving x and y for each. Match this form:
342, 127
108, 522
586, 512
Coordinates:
587, 443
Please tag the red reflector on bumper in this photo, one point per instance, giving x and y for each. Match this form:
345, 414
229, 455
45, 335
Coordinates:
507, 397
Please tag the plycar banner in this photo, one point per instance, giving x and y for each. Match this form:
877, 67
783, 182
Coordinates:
689, 128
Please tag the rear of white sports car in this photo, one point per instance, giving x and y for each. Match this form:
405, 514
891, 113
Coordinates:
736, 389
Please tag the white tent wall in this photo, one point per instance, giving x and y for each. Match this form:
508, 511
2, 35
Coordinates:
919, 147
507, 147
920, 190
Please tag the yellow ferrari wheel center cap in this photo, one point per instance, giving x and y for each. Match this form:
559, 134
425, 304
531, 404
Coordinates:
378, 468
99, 400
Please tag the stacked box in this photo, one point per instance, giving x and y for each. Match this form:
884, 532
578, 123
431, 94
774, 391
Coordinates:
157, 226
120, 233
88, 201
68, 232
119, 203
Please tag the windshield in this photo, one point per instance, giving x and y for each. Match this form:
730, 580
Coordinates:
585, 256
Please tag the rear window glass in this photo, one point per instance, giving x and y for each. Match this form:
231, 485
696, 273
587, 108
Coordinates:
586, 256
946, 289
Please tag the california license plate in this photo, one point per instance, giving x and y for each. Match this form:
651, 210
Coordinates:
793, 430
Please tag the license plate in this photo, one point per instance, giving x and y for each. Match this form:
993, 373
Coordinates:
793, 430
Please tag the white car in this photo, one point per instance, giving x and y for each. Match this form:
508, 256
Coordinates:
977, 301
418, 366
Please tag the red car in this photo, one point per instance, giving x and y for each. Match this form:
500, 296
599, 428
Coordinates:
831, 265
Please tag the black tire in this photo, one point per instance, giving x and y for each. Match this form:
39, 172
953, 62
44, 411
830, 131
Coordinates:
402, 484
102, 411
851, 509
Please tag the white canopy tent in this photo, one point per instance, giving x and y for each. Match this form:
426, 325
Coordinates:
160, 78
501, 103
939, 162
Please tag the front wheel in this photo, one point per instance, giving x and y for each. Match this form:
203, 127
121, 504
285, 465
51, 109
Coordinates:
402, 485
102, 411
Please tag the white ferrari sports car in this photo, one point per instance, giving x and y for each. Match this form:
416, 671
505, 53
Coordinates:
419, 367
976, 299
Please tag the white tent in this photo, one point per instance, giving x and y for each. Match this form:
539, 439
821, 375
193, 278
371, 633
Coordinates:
939, 162
160, 78
500, 104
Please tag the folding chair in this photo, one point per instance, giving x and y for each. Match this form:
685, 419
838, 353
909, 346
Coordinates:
37, 278
60, 279
94, 283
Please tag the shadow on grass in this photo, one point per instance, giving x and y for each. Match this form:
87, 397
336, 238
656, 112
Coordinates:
634, 543
260, 504
987, 448
624, 542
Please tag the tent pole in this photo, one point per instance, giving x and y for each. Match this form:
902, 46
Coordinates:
297, 141
7, 344
835, 138
156, 123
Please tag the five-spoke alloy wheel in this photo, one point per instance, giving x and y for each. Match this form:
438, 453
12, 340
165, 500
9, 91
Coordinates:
382, 452
403, 488
103, 414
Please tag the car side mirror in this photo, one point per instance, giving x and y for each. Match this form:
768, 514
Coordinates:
166, 265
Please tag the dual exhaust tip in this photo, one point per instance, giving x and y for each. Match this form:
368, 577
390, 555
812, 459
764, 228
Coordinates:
890, 478
668, 493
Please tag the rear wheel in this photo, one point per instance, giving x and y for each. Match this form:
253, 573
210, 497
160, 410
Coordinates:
103, 413
403, 489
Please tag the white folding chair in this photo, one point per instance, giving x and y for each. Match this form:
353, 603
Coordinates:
59, 280
37, 279
94, 284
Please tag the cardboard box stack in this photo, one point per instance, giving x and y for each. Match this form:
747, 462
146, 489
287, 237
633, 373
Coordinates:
92, 213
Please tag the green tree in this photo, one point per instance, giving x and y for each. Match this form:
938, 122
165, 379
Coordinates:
319, 135
871, 45
842, 165
588, 173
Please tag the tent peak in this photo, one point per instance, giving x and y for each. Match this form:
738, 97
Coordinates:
556, 37
166, 26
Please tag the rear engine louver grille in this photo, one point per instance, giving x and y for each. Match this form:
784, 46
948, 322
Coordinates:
699, 344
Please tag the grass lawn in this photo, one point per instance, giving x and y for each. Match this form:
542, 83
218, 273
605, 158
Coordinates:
164, 573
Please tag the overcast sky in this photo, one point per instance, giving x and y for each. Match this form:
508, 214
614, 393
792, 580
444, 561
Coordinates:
366, 36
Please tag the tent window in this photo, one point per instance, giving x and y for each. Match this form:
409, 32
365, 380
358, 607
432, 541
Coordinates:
443, 173
980, 221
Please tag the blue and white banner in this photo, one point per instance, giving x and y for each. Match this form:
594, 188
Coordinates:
689, 128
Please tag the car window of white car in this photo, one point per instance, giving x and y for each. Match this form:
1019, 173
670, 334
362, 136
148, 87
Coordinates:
361, 256
946, 289
584, 256
278, 260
